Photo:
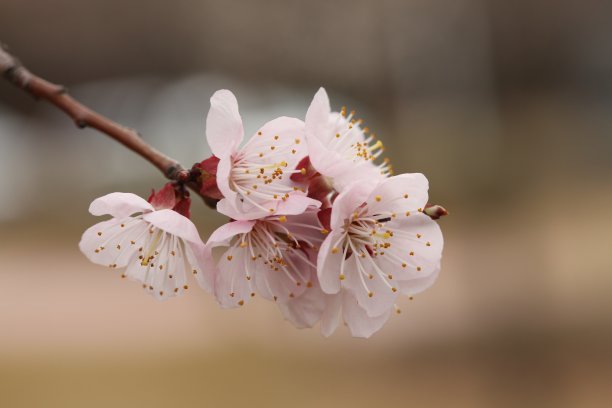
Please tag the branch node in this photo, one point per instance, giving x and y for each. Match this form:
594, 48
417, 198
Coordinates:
81, 123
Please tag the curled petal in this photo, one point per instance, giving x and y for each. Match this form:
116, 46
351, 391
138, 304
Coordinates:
119, 205
222, 235
175, 224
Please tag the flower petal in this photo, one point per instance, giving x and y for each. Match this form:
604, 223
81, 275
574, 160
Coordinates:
175, 224
296, 204
418, 245
222, 235
119, 205
114, 242
305, 310
224, 130
329, 264
418, 285
399, 194
358, 321
348, 201
375, 293
317, 116
332, 314
234, 284
224, 169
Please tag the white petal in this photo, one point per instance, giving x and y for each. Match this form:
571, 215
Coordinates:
224, 130
282, 283
332, 314
418, 285
358, 321
175, 224
329, 264
375, 295
119, 205
114, 242
399, 194
234, 284
222, 235
306, 310
349, 201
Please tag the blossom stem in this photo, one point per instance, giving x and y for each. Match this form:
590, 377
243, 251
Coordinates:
13, 71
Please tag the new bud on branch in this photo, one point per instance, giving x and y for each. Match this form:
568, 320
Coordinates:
317, 223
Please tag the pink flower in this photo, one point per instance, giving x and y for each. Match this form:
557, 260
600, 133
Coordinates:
159, 247
381, 244
272, 256
255, 178
339, 148
315, 305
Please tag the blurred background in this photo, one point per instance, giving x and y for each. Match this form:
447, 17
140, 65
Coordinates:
505, 106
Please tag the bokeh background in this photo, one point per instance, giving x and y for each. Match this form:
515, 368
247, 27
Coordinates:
504, 105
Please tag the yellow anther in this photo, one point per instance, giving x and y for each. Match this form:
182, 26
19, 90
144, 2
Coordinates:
229, 257
282, 218
378, 198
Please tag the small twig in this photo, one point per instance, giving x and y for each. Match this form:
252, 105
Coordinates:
12, 70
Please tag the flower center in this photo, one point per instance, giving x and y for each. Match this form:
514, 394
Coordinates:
368, 237
260, 171
354, 143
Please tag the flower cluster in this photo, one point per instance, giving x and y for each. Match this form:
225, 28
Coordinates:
317, 223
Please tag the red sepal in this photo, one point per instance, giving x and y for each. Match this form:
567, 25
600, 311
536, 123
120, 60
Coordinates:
164, 198
307, 171
207, 178
183, 207
324, 217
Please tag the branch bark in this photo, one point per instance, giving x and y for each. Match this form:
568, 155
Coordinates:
12, 70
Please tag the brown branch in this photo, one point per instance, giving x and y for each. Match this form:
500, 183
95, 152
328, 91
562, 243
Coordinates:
12, 70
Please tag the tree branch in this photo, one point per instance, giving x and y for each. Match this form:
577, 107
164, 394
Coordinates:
12, 70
